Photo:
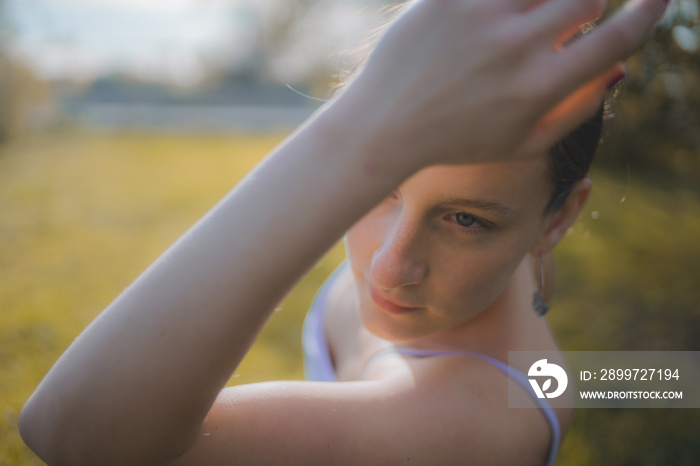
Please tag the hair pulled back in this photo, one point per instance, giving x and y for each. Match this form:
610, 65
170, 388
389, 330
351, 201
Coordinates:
570, 159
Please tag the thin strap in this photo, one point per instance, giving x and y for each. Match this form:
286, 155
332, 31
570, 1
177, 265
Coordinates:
318, 365
516, 375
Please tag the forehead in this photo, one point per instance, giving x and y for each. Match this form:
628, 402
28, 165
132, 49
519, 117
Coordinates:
518, 185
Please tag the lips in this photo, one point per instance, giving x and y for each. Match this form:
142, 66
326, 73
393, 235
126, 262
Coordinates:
390, 305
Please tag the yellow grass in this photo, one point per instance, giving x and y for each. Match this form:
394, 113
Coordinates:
81, 215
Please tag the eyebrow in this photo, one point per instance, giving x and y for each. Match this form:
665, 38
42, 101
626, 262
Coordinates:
481, 204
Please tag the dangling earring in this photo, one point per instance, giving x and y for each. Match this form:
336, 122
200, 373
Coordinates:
538, 303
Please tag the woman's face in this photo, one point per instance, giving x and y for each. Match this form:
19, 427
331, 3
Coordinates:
443, 247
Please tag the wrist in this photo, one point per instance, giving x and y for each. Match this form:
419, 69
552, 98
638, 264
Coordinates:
351, 127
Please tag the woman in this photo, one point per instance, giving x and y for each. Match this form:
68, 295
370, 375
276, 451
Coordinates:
434, 161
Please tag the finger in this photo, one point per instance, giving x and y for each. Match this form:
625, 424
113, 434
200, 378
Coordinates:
613, 41
572, 112
561, 19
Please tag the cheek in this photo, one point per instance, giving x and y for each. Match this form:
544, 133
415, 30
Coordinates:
464, 280
468, 283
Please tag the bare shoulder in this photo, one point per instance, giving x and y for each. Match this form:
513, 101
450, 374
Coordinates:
428, 414
469, 396
447, 410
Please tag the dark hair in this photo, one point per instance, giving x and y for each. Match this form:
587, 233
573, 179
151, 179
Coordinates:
570, 159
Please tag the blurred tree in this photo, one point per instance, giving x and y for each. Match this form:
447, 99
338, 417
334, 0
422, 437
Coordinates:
657, 126
299, 42
19, 87
643, 289
7, 101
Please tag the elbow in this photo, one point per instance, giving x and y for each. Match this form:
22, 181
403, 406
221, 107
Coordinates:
61, 437
53, 437
36, 433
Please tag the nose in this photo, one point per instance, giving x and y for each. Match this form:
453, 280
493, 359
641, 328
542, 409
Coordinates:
399, 260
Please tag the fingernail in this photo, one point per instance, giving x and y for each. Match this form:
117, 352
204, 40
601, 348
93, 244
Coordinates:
618, 77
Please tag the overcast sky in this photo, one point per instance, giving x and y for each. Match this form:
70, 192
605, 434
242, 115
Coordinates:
154, 39
166, 39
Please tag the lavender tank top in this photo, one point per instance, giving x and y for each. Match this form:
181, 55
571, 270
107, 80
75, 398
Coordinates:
318, 365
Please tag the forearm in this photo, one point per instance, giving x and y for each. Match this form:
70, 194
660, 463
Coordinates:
140, 379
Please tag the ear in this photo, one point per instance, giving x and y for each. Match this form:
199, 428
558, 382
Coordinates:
557, 223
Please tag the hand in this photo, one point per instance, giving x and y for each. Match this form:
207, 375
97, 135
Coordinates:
469, 81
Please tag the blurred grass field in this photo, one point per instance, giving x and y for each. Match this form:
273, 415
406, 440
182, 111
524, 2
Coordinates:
82, 214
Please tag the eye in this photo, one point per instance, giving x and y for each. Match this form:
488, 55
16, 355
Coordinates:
469, 223
466, 220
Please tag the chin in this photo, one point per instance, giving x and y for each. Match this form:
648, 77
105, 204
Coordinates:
391, 329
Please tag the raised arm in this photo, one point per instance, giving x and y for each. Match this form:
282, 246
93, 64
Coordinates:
136, 385
143, 375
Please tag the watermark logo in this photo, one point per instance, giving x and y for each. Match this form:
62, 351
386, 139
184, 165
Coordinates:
605, 379
542, 369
